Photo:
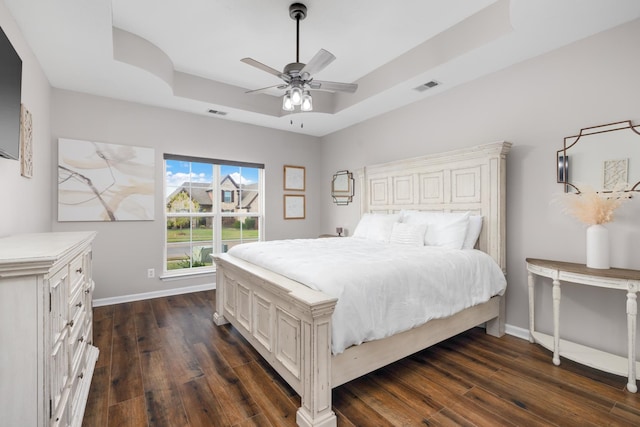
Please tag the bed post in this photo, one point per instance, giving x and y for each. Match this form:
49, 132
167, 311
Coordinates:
218, 315
316, 370
496, 327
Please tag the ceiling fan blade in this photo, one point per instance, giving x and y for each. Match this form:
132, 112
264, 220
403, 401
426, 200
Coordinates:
264, 89
319, 61
261, 66
333, 86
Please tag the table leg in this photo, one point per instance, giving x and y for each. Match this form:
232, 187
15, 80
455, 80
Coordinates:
632, 311
556, 322
531, 306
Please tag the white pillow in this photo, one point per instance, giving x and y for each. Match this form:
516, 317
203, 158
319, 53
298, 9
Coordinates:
376, 227
408, 234
473, 232
446, 229
417, 217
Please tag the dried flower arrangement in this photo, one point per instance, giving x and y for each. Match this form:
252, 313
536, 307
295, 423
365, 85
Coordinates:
591, 207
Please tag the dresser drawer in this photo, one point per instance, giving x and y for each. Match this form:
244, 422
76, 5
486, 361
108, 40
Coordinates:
77, 342
61, 417
77, 305
76, 272
59, 365
79, 379
88, 327
58, 303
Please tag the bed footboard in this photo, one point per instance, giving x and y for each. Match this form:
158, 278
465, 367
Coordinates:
288, 323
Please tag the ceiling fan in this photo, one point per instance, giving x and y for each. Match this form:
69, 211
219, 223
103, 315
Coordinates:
298, 77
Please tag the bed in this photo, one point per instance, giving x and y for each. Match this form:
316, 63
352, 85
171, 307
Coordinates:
290, 324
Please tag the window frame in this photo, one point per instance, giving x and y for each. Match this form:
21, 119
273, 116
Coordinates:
216, 211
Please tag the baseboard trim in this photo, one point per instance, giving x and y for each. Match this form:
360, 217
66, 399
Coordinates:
517, 332
155, 294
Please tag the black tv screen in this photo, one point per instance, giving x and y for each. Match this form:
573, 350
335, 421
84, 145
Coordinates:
10, 89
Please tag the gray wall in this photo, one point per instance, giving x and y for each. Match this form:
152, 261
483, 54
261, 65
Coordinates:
24, 202
123, 251
533, 105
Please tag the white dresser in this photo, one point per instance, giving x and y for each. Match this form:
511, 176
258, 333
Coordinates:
46, 352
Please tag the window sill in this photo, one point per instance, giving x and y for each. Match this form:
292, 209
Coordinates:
187, 274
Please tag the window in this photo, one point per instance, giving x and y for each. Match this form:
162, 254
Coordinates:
210, 206
227, 196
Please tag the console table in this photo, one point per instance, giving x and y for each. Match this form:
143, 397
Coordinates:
613, 278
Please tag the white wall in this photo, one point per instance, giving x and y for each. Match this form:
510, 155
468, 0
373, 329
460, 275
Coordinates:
25, 202
123, 251
533, 105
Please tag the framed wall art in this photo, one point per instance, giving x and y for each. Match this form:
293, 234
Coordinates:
294, 206
105, 182
615, 173
294, 177
26, 142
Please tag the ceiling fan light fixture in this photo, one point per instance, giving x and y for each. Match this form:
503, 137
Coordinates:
297, 76
296, 95
307, 101
287, 105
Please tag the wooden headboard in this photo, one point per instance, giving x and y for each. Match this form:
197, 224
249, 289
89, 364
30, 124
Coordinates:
471, 179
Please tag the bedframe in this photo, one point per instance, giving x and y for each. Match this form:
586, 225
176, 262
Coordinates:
289, 324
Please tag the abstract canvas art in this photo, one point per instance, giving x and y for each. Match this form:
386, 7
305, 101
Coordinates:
105, 182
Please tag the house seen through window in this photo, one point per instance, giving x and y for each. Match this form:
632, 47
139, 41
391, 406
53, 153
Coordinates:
210, 206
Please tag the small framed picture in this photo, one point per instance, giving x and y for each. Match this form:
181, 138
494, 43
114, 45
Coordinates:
294, 178
294, 206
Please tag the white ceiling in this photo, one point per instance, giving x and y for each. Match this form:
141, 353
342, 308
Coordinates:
185, 55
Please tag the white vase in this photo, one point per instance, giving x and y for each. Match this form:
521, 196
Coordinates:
598, 246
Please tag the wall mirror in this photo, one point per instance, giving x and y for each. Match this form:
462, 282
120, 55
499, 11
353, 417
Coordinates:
342, 187
602, 157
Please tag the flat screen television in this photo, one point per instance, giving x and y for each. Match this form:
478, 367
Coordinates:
10, 92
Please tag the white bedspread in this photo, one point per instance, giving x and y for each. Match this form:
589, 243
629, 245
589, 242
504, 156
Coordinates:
382, 288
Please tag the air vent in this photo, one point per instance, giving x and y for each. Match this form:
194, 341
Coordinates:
218, 113
427, 86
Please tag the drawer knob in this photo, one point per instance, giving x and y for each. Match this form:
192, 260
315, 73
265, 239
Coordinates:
79, 270
80, 339
79, 304
81, 376
70, 324
86, 291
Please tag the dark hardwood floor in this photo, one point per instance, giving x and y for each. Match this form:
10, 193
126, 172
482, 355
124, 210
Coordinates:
164, 363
